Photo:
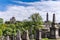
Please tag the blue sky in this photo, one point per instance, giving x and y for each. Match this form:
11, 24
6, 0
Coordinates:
22, 9
5, 3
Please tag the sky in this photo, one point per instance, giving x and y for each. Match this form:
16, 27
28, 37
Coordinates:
22, 9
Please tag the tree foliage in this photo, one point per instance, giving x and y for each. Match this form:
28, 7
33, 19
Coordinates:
8, 28
36, 20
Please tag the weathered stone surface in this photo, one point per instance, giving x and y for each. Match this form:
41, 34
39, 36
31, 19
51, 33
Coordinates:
38, 34
7, 38
18, 37
25, 35
2, 38
53, 30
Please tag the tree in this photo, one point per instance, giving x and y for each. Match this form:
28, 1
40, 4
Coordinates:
27, 24
36, 20
1, 20
1, 32
9, 30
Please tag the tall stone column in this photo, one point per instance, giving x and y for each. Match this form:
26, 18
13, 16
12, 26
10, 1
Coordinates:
25, 35
53, 22
53, 29
38, 35
47, 17
18, 37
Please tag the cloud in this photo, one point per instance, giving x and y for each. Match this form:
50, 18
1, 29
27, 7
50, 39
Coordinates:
22, 12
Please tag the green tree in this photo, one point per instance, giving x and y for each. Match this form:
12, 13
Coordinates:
1, 20
1, 32
9, 30
36, 20
27, 24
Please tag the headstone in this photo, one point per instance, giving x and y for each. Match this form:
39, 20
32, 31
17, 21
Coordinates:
13, 37
38, 34
25, 35
57, 34
7, 38
2, 37
18, 37
31, 37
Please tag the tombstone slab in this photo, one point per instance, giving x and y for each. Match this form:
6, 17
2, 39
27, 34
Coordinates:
18, 37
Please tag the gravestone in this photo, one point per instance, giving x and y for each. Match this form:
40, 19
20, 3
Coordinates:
53, 29
2, 37
18, 37
38, 35
13, 37
7, 38
25, 35
32, 37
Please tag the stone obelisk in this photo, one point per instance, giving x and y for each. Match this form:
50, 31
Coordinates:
53, 29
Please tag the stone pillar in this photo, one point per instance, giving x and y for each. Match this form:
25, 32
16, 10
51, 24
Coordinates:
25, 35
18, 37
47, 17
53, 22
7, 38
57, 34
53, 29
38, 35
13, 37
